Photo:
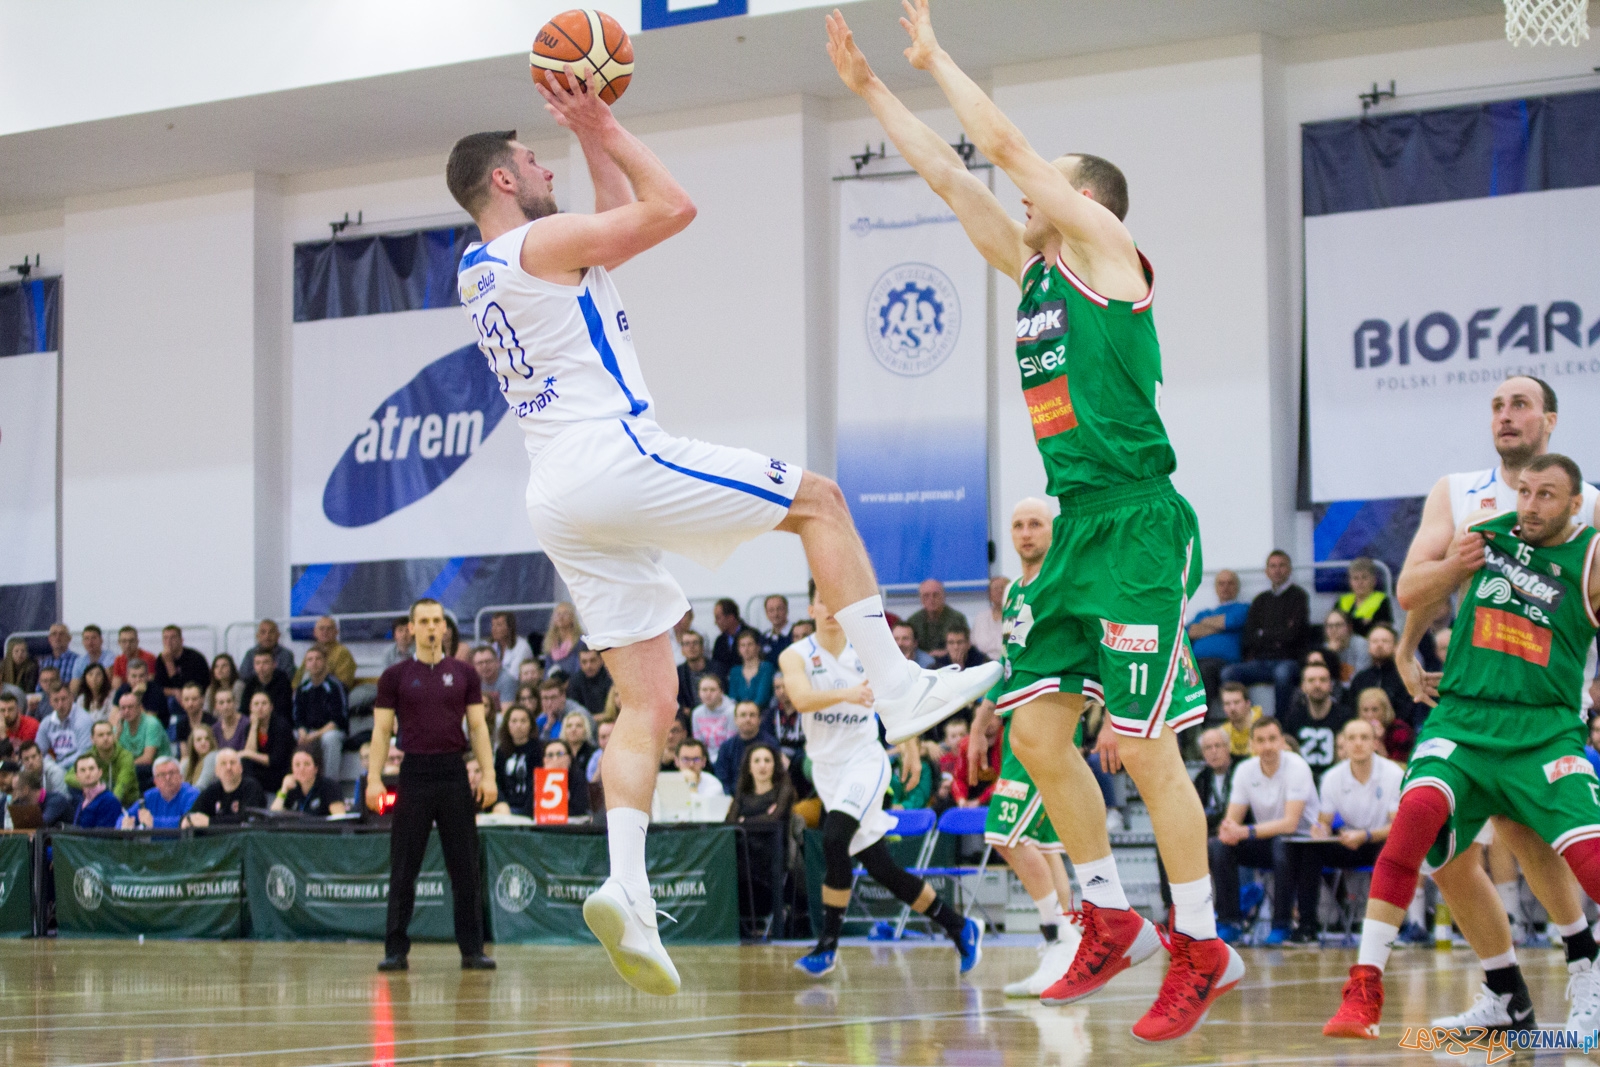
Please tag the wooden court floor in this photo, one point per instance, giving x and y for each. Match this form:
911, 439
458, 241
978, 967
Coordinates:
217, 1004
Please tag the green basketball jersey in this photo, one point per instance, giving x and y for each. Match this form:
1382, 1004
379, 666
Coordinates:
1091, 374
1016, 618
1513, 674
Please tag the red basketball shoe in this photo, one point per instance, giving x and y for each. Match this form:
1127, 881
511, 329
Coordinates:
1112, 942
1358, 1015
1201, 972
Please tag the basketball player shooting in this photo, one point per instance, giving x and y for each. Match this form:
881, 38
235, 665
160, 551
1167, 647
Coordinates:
609, 490
1107, 607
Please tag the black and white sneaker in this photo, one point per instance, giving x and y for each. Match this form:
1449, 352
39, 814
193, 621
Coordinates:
1494, 1011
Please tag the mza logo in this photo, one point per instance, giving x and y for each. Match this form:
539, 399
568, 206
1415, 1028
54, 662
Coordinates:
913, 319
1560, 768
1127, 637
415, 440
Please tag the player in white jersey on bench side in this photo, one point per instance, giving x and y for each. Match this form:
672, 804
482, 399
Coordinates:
609, 490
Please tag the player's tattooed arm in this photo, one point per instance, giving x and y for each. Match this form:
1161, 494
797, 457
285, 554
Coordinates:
996, 235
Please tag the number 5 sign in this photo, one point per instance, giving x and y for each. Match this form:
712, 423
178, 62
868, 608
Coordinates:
550, 796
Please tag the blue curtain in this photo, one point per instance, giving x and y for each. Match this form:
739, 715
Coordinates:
30, 317
375, 275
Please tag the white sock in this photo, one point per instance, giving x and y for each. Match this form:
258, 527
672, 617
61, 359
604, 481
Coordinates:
1511, 899
887, 667
625, 831
1571, 928
1049, 910
1418, 909
1494, 963
1376, 940
1101, 884
1193, 911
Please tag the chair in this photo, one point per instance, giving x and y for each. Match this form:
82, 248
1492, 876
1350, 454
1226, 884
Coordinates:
916, 822
959, 822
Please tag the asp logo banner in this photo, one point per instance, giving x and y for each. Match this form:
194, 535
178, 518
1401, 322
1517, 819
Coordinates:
1415, 314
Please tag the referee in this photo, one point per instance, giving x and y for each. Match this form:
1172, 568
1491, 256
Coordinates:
428, 696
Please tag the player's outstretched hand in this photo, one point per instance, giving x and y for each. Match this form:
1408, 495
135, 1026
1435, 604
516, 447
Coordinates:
853, 68
578, 109
1106, 746
1422, 685
918, 23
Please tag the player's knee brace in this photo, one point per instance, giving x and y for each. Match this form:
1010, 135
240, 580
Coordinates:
905, 886
1423, 812
837, 830
1584, 859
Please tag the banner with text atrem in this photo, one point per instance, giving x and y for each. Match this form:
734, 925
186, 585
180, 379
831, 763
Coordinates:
912, 386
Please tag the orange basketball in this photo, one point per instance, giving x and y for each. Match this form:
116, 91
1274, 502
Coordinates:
593, 42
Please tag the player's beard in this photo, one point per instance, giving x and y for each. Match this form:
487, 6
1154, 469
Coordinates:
1516, 457
535, 205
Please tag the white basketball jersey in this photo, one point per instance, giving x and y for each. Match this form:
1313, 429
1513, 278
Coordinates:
562, 353
842, 731
1474, 491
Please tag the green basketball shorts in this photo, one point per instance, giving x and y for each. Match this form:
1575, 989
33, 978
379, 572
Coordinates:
1016, 809
1105, 616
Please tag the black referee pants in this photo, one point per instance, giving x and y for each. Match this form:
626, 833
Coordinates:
434, 790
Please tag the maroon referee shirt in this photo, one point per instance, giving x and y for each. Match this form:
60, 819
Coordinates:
430, 702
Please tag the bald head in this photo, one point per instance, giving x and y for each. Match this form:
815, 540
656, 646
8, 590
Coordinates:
1030, 532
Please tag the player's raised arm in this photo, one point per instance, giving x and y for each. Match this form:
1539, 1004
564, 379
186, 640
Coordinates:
608, 238
806, 698
1088, 227
997, 236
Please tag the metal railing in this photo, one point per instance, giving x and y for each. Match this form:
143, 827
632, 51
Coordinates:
491, 609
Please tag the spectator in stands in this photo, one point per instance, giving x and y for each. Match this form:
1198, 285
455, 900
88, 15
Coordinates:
148, 695
19, 727
61, 657
1276, 630
676, 735
592, 682
94, 692
307, 790
128, 643
986, 635
802, 630
558, 757
694, 667
266, 678
1395, 737
553, 707
560, 647
692, 760
751, 678
933, 620
19, 667
64, 732
99, 809
115, 763
602, 737
530, 672
192, 704
915, 776
341, 663
712, 719
725, 649
1386, 676
1339, 638
494, 678
746, 732
225, 675
52, 776
518, 752
94, 651
1214, 634
906, 638
267, 640
226, 801
958, 649
49, 680
1214, 781
511, 649
199, 765
1365, 604
577, 731
1363, 792
178, 665
775, 638
1275, 786
232, 728
321, 716
953, 741
1315, 717
269, 745
141, 735
1240, 714
164, 804
9, 769
403, 647
782, 720
761, 793
970, 785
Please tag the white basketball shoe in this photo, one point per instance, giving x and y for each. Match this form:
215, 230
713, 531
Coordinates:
933, 697
1054, 962
627, 929
1583, 992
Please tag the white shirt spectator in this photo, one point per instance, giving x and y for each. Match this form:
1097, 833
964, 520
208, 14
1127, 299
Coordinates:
511, 659
986, 634
1362, 806
1268, 797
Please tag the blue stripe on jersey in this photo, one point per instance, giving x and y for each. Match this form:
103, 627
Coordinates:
743, 487
478, 255
597, 337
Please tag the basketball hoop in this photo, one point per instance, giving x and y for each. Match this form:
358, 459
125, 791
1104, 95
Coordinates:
1547, 21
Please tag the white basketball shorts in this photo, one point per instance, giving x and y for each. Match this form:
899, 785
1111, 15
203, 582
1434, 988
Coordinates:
606, 498
856, 787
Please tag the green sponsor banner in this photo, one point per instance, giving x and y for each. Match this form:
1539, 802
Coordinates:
159, 888
308, 886
538, 881
869, 897
16, 885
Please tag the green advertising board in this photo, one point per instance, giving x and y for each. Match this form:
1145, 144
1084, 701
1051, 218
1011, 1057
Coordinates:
313, 886
16, 885
159, 888
537, 882
869, 898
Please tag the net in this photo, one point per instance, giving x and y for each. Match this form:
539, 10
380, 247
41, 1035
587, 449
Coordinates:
1547, 21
